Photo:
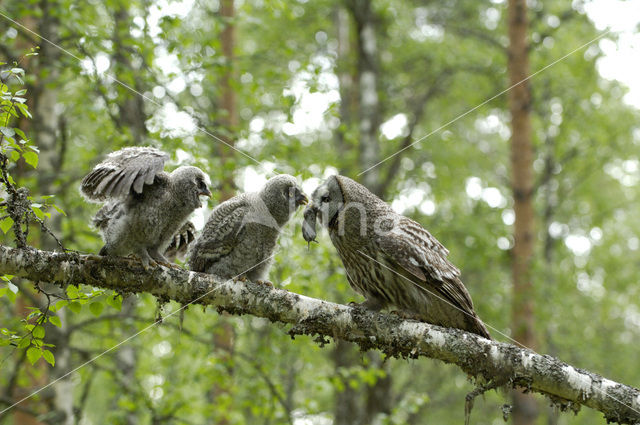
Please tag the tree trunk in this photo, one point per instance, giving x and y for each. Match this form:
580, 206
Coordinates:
131, 114
224, 335
525, 409
229, 120
369, 106
347, 407
46, 135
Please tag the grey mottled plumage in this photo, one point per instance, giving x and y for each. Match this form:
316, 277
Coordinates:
391, 259
241, 233
144, 206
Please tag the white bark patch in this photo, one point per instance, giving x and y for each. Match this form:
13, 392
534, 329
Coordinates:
578, 381
527, 360
306, 306
410, 328
607, 383
437, 338
495, 354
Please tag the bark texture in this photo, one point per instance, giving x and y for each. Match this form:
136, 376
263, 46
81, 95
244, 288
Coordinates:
498, 362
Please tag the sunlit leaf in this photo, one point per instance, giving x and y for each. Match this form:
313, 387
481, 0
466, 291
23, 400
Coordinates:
6, 224
38, 332
33, 354
48, 356
31, 158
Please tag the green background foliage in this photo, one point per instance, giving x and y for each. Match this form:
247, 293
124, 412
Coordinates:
437, 60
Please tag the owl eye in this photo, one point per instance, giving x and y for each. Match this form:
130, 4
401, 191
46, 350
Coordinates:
325, 198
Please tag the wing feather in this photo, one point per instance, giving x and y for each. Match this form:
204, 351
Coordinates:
124, 170
224, 228
412, 248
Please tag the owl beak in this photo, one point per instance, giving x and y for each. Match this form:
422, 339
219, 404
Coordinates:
205, 192
301, 199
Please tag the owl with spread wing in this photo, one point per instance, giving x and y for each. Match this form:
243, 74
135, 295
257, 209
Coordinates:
145, 208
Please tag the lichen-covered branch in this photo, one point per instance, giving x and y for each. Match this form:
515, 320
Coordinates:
493, 361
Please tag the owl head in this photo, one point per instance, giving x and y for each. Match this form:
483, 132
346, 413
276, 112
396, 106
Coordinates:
282, 197
191, 183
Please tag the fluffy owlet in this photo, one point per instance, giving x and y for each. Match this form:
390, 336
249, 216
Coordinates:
391, 259
241, 234
145, 207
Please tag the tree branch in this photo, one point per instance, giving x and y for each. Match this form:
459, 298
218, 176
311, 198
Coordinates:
493, 361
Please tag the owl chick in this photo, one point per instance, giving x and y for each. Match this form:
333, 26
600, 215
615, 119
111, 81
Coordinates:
390, 259
144, 206
241, 233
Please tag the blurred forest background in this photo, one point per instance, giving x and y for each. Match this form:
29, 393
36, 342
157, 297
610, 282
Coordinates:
312, 88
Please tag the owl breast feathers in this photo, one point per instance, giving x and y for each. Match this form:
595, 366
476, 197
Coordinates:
144, 207
240, 236
391, 259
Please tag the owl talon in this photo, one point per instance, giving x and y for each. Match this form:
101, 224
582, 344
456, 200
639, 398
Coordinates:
265, 282
240, 279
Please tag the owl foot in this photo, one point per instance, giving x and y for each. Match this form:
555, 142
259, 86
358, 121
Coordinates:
169, 265
240, 279
265, 282
368, 304
405, 315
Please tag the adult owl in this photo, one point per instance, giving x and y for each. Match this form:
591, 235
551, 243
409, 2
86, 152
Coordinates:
144, 207
240, 235
390, 259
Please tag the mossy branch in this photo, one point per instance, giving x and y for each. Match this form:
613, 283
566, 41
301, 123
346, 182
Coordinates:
493, 361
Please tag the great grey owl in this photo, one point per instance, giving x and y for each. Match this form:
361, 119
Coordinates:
145, 207
390, 259
241, 234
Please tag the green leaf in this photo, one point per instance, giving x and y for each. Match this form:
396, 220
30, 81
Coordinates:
31, 158
58, 305
33, 354
96, 308
6, 224
48, 356
7, 131
75, 307
23, 108
21, 92
38, 212
55, 320
20, 133
13, 288
38, 332
60, 210
24, 343
72, 291
115, 302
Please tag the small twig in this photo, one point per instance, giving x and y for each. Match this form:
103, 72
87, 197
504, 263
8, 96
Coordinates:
479, 390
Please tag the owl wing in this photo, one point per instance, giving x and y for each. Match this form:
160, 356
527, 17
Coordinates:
224, 229
123, 171
412, 248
